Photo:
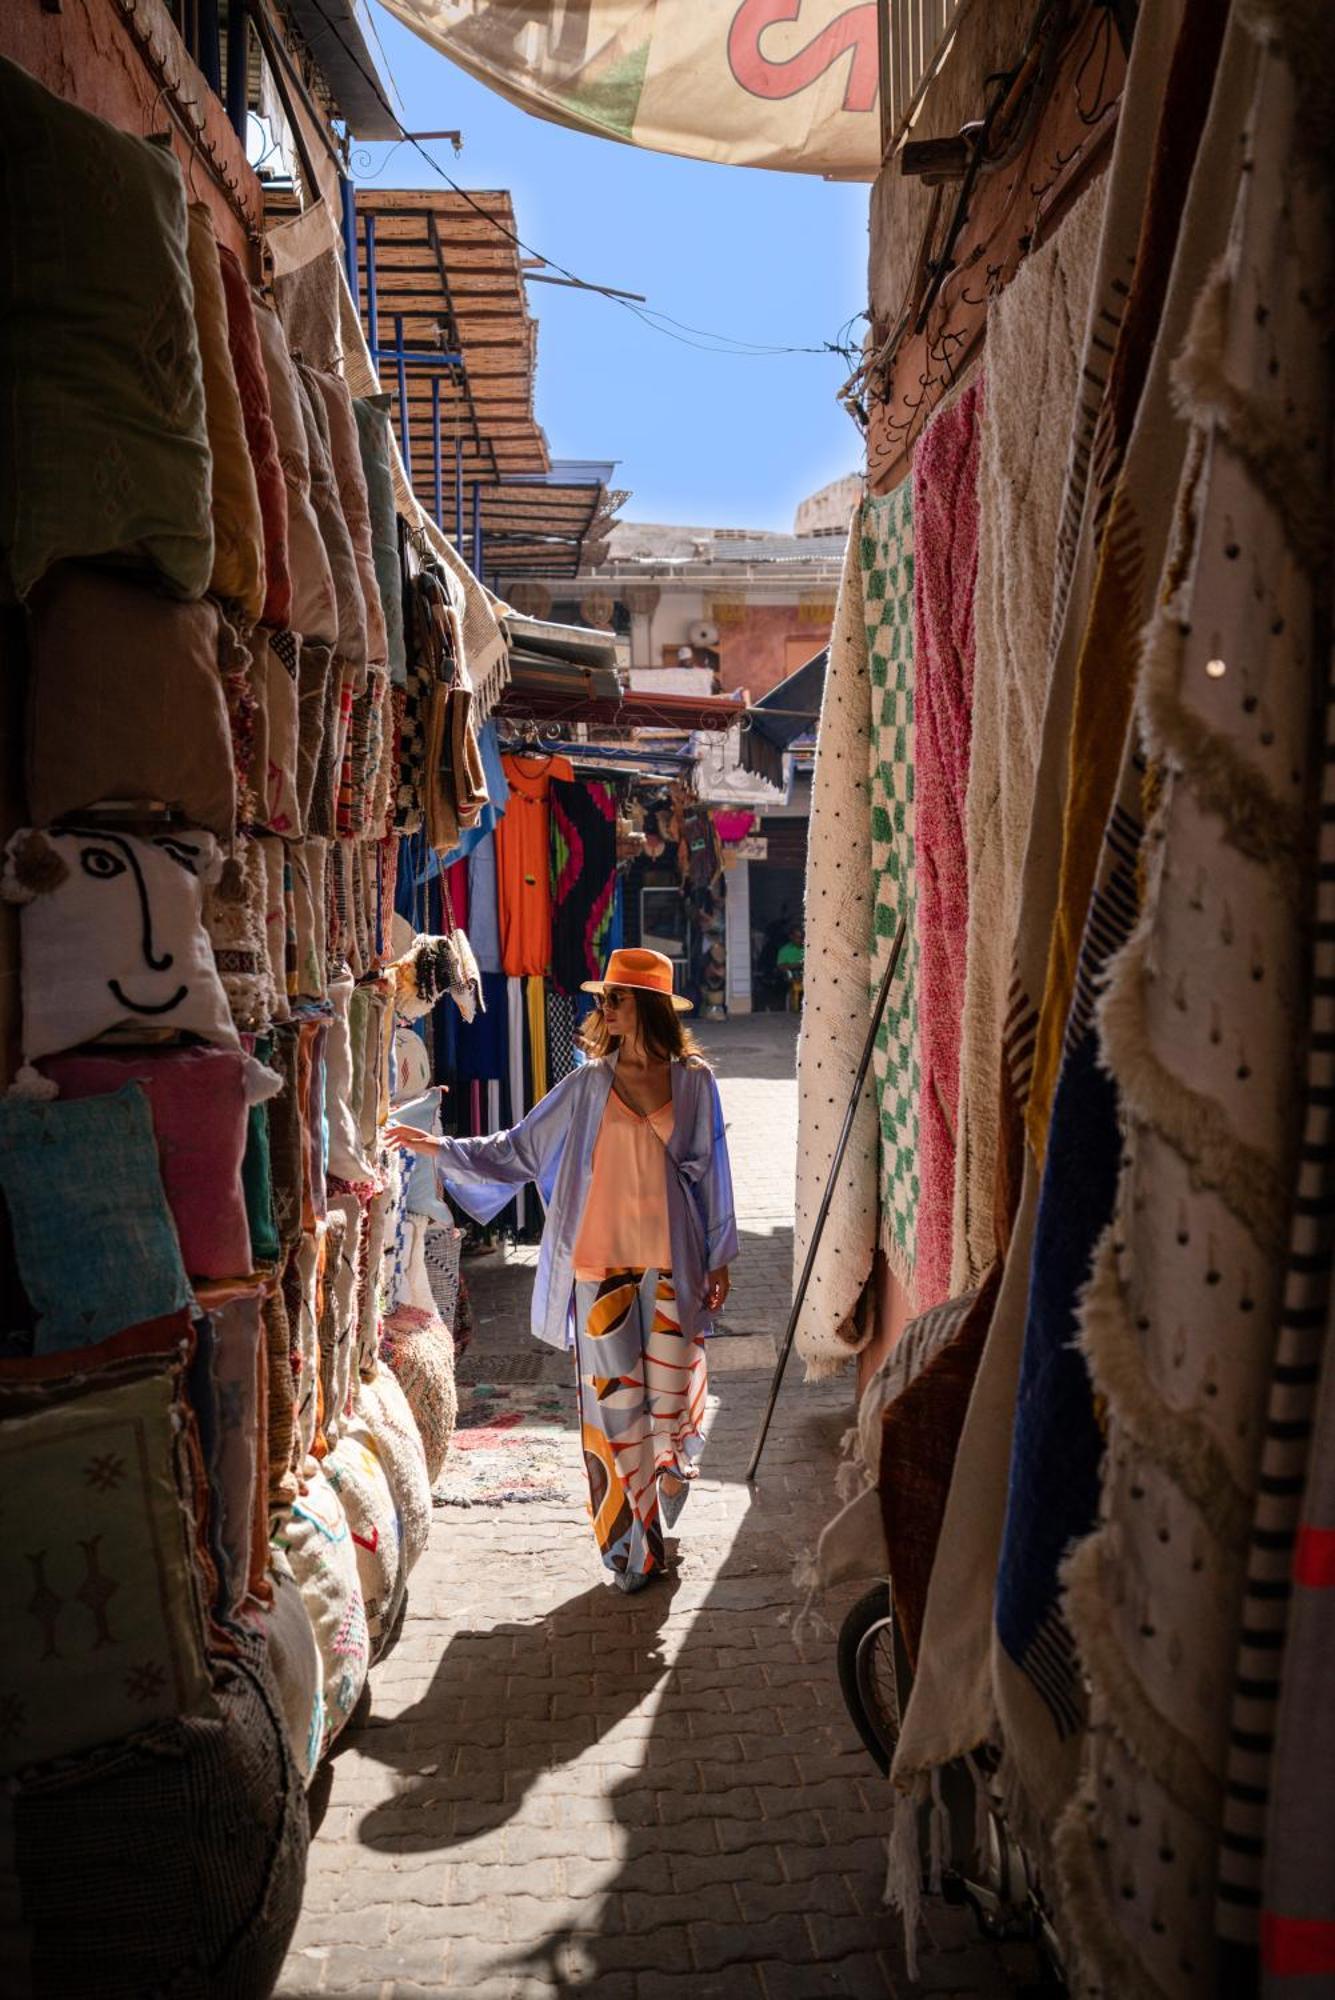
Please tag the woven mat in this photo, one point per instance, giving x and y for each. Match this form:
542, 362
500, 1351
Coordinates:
515, 1442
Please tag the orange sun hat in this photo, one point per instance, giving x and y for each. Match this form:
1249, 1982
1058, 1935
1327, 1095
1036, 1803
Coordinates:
649, 971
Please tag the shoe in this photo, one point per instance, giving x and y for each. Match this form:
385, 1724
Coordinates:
671, 1504
631, 1580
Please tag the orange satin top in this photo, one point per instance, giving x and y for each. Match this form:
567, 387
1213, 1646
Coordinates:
625, 1221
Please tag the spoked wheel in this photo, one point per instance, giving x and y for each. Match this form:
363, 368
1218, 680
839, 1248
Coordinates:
869, 1673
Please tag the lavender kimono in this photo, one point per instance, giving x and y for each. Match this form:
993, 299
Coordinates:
553, 1147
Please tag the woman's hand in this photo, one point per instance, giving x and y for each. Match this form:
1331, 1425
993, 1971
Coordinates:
411, 1140
717, 1286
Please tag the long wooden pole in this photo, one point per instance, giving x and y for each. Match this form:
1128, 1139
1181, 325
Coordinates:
846, 1133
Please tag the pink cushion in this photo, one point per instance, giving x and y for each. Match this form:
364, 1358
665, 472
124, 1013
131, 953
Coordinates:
198, 1101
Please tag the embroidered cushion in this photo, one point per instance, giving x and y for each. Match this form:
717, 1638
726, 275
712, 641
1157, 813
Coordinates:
376, 437
238, 530
200, 1101
419, 1352
93, 1235
294, 1661
315, 1538
350, 638
226, 1391
103, 447
277, 656
356, 1472
188, 1851
383, 1408
338, 1313
422, 1195
412, 1066
111, 1639
314, 614
113, 936
234, 919
243, 340
345, 457
126, 701
347, 1159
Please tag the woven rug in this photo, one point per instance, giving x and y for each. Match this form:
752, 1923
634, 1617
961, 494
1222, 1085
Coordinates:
1200, 1029
1034, 336
945, 533
835, 1008
514, 1444
952, 1707
887, 596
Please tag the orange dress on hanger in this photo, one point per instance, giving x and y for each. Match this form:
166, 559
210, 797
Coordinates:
523, 864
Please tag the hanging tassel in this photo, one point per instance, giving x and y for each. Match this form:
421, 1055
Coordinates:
903, 1875
938, 1830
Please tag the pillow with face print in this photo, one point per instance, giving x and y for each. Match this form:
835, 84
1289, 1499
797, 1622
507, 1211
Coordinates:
113, 935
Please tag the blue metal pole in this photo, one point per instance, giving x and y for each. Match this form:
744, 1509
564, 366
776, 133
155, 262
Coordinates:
403, 395
372, 297
349, 194
477, 531
436, 467
458, 493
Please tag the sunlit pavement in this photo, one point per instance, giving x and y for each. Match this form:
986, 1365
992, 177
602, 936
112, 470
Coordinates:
563, 1790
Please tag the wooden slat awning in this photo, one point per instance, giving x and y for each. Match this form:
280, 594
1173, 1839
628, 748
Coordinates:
578, 702
449, 276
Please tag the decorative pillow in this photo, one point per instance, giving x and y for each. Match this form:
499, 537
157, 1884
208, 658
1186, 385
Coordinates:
440, 1253
418, 1350
103, 446
294, 1660
99, 1544
347, 1160
338, 1290
308, 900
234, 909
92, 1231
314, 614
383, 1408
379, 1216
238, 530
200, 1101
280, 809
229, 1365
311, 1076
345, 456
313, 675
306, 1271
412, 1067
126, 702
257, 1171
280, 928
243, 339
280, 1376
113, 935
189, 1851
318, 1544
376, 437
355, 1472
350, 638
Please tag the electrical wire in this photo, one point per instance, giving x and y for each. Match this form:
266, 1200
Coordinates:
657, 322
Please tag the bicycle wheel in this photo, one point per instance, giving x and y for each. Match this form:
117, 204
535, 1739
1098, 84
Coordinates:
869, 1673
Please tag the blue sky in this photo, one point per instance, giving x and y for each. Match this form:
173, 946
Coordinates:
715, 439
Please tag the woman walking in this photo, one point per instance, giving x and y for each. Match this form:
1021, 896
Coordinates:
630, 1157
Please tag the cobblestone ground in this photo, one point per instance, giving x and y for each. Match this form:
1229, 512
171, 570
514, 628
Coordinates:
561, 1790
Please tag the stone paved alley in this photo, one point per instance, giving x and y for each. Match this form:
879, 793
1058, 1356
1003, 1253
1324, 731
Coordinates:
561, 1790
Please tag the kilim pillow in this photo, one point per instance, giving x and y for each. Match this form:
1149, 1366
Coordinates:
200, 1101
113, 936
383, 1409
238, 531
419, 1352
294, 1659
357, 1474
126, 702
103, 446
314, 614
93, 1234
316, 1539
111, 1641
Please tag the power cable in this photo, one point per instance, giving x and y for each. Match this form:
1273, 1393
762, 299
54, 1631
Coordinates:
709, 343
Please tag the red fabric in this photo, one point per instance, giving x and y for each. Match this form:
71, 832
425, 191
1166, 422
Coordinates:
1314, 1558
197, 1098
945, 528
456, 884
1297, 1947
243, 338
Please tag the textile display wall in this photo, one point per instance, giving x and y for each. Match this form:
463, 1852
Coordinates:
224, 1372
1071, 721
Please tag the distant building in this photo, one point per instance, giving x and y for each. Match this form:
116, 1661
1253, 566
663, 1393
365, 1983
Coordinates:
828, 512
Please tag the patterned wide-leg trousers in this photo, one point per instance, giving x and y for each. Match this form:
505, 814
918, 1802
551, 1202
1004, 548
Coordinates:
642, 1405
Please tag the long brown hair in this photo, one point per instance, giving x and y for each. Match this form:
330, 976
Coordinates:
665, 1036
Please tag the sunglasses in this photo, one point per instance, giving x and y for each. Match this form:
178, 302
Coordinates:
614, 995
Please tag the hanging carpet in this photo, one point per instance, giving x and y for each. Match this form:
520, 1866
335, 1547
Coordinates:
584, 860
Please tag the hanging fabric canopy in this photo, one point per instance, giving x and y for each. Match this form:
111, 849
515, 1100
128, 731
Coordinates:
775, 722
791, 84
